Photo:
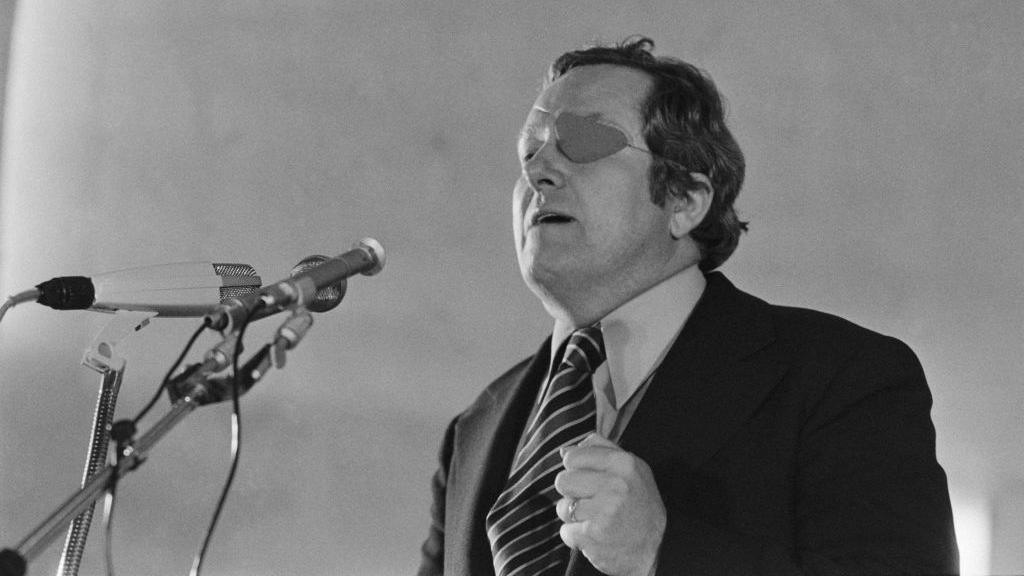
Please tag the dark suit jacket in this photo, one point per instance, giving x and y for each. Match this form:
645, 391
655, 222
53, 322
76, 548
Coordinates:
782, 440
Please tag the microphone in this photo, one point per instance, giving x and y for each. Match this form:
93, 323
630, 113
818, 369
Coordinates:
366, 257
180, 290
326, 298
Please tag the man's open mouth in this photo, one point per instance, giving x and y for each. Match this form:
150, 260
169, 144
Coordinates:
551, 218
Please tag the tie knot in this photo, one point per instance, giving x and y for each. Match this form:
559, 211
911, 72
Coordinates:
585, 351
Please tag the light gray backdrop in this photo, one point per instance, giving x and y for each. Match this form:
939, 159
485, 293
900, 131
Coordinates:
884, 146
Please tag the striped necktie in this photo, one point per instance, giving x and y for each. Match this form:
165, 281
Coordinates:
522, 525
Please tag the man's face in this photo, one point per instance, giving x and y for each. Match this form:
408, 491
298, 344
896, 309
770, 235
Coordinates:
584, 226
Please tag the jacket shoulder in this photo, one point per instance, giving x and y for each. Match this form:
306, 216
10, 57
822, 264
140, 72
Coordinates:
502, 390
812, 340
814, 332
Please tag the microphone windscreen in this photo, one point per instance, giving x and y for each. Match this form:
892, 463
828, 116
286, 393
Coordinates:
326, 298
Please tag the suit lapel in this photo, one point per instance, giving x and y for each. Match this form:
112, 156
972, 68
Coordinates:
717, 373
487, 436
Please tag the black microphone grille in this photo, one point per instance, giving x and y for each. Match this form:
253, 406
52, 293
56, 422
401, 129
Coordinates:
326, 298
237, 280
242, 270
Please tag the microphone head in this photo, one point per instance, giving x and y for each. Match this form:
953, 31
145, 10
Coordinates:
326, 298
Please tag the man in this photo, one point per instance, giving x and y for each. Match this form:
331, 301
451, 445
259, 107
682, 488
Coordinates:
673, 424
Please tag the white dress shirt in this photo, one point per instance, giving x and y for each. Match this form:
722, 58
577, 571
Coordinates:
637, 335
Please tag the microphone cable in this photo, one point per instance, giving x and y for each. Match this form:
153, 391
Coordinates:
16, 299
108, 522
236, 445
163, 385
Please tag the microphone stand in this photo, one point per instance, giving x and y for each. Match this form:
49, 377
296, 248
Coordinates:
103, 358
196, 387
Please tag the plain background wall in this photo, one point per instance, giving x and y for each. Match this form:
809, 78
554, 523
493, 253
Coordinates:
884, 146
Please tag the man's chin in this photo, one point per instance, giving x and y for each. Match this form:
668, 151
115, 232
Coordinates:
550, 275
543, 267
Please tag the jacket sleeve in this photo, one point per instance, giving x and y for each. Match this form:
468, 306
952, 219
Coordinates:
432, 551
870, 497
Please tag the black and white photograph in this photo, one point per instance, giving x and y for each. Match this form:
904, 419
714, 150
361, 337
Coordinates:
495, 288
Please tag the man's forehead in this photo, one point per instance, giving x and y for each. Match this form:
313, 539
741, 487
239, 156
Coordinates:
613, 93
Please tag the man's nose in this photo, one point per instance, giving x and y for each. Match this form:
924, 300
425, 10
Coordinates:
545, 170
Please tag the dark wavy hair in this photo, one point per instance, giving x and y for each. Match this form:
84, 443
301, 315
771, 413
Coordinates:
684, 126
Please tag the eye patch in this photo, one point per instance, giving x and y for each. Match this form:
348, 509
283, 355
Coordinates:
583, 139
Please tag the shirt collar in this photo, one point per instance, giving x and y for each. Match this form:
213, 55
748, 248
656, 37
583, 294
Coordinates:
638, 334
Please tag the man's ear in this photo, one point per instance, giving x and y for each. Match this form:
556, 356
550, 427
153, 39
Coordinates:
689, 211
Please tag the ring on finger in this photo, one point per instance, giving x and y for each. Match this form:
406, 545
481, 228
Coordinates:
572, 510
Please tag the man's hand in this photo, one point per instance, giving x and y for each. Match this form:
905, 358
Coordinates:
611, 508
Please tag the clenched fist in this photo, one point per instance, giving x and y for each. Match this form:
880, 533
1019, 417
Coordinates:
611, 508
